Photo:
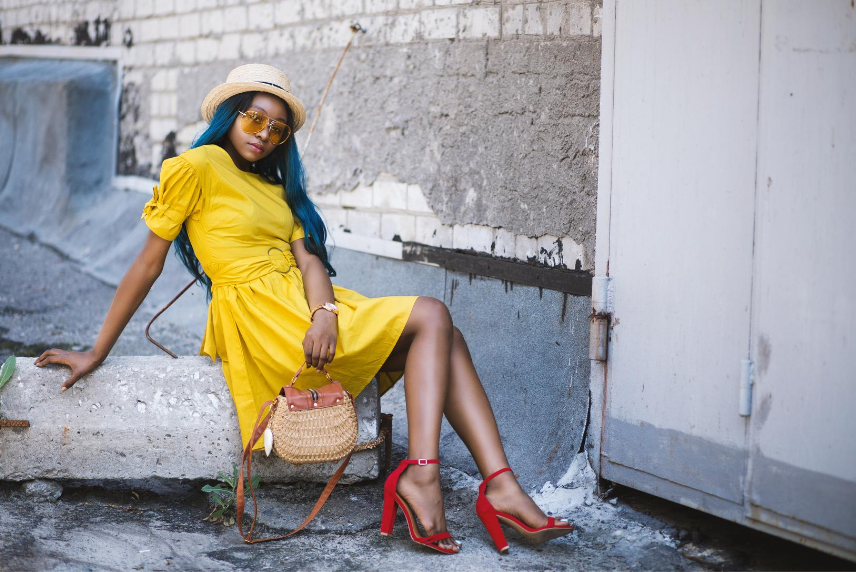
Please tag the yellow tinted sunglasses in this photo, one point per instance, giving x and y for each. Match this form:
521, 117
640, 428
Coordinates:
253, 122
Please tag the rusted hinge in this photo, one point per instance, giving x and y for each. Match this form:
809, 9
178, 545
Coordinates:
601, 316
599, 336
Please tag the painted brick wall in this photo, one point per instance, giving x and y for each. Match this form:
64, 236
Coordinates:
457, 124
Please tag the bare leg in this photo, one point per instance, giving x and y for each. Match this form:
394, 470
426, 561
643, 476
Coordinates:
470, 415
466, 407
424, 349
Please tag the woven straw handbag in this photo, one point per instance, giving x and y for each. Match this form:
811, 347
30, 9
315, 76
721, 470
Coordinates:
313, 425
304, 426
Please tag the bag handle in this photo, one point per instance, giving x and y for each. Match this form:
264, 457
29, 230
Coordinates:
258, 428
300, 369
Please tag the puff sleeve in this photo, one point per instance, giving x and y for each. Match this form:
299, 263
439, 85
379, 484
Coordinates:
296, 231
177, 197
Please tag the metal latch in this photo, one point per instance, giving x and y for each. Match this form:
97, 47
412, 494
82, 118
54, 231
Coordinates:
747, 380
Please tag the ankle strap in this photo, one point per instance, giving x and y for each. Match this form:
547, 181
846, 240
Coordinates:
420, 462
499, 472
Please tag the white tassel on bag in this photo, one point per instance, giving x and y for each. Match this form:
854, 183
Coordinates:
268, 436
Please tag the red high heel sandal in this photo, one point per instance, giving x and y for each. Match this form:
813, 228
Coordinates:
392, 500
492, 518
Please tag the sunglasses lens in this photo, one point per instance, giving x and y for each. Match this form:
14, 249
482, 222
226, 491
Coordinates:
252, 122
279, 132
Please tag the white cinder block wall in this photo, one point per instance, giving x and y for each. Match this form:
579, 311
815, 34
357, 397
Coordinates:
161, 37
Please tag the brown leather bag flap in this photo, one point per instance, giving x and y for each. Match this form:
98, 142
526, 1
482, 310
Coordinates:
304, 399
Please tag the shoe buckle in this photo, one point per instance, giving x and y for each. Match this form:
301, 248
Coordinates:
422, 462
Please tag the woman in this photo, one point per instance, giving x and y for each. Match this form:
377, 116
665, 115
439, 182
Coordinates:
236, 205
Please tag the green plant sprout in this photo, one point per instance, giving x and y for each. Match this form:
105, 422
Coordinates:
224, 496
6, 370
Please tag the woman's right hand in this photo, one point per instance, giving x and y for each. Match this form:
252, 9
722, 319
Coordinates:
80, 363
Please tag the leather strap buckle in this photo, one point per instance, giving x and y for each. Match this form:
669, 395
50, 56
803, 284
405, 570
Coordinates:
422, 462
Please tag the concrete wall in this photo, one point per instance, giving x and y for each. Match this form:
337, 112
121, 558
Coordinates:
57, 132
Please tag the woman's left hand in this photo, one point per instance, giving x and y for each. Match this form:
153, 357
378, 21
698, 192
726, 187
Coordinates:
319, 344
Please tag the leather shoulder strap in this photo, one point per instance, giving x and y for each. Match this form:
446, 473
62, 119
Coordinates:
162, 310
247, 458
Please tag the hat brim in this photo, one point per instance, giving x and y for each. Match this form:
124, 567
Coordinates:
226, 90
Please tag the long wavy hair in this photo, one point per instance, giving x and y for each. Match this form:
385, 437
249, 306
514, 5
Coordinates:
283, 166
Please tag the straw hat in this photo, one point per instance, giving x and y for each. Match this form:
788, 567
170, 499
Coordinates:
254, 77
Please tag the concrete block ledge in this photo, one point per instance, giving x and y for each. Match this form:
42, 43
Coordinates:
147, 417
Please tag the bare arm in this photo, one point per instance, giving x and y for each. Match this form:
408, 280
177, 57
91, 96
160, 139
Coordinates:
319, 344
132, 290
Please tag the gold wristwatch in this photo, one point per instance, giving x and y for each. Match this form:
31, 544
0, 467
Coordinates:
329, 306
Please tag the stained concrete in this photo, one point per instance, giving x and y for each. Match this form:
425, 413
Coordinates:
135, 156
500, 133
530, 349
144, 418
121, 529
65, 103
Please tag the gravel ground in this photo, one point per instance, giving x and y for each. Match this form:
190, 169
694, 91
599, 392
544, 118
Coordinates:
46, 301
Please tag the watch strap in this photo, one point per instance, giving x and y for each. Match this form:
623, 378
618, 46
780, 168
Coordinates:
320, 307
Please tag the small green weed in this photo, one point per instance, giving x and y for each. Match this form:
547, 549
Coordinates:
225, 495
6, 370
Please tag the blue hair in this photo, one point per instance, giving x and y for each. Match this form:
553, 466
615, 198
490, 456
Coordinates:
283, 166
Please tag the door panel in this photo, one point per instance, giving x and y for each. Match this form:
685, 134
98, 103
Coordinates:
803, 454
681, 230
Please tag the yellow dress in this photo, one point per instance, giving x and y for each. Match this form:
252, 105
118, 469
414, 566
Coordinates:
241, 227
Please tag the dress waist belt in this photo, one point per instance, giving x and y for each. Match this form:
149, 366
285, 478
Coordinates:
251, 267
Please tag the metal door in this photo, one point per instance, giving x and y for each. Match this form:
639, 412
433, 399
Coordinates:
680, 257
726, 224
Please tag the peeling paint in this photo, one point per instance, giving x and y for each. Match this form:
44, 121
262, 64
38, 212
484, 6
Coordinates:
390, 209
100, 36
20, 36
